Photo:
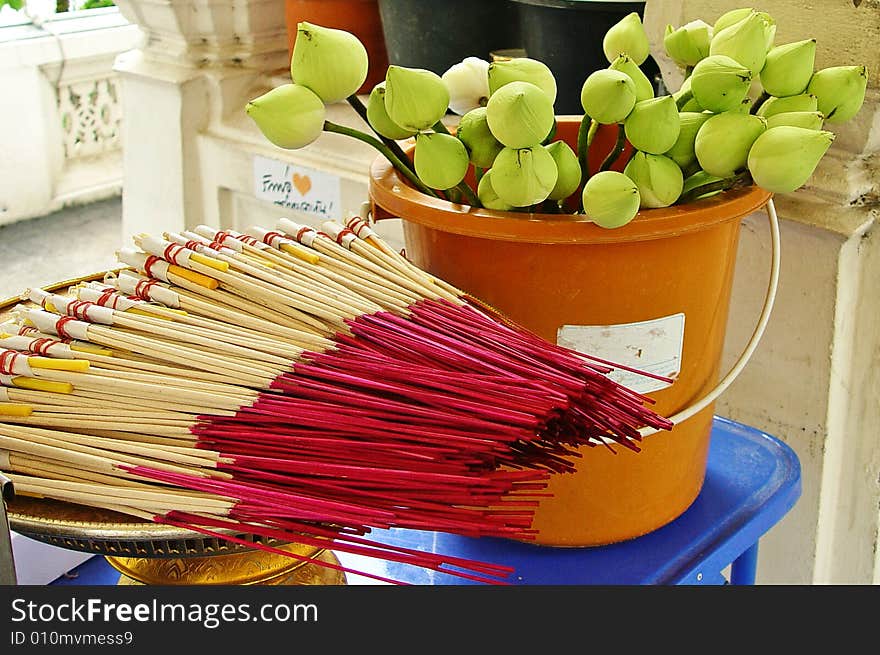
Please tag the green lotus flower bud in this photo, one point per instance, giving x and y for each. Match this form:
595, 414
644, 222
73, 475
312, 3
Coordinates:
488, 198
332, 63
744, 107
653, 125
415, 98
627, 37
378, 119
745, 42
625, 64
719, 83
783, 159
658, 178
610, 199
723, 142
482, 146
682, 152
608, 96
468, 84
788, 68
520, 115
698, 179
840, 91
811, 120
290, 116
568, 169
440, 160
801, 102
522, 69
524, 176
731, 17
769, 31
689, 43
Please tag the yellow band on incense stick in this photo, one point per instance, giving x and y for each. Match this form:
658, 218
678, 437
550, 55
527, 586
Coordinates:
89, 349
15, 409
210, 262
192, 276
42, 385
262, 261
74, 365
300, 253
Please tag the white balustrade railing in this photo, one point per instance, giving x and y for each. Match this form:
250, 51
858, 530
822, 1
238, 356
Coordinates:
61, 111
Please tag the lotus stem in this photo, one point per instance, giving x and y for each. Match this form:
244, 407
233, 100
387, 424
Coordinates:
615, 152
361, 110
469, 194
736, 181
440, 127
384, 150
586, 133
683, 99
758, 102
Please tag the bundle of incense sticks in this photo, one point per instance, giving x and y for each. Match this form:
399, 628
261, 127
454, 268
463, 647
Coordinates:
297, 385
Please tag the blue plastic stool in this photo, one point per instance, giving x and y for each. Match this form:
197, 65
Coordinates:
752, 481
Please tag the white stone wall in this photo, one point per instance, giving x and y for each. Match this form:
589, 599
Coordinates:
60, 112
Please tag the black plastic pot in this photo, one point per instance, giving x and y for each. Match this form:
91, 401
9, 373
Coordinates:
436, 35
567, 36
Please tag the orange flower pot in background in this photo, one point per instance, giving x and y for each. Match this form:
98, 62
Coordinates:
360, 17
548, 271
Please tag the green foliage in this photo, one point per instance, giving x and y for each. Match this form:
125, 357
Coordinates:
15, 4
96, 4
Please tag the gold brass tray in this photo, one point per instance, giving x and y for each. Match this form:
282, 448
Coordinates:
149, 553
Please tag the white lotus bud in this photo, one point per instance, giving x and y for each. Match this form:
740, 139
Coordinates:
468, 84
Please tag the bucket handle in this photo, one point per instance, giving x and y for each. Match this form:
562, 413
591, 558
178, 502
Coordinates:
751, 346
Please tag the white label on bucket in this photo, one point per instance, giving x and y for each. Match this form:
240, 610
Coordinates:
297, 188
651, 346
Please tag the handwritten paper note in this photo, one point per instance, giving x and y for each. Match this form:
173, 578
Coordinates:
297, 188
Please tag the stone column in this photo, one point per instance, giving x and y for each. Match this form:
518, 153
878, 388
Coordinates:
197, 61
815, 379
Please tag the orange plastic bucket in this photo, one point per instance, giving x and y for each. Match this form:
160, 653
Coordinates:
547, 271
